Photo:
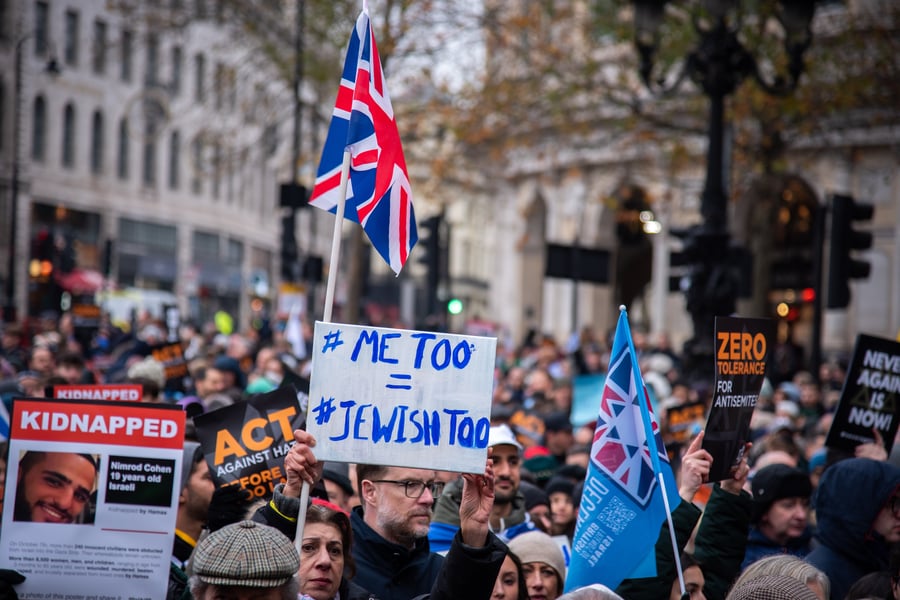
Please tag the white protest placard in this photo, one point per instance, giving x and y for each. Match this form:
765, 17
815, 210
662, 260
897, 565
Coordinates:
399, 397
91, 498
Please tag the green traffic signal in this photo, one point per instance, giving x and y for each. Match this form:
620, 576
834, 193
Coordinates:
454, 306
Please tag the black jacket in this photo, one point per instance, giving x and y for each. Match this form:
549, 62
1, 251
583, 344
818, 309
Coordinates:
684, 517
721, 540
468, 573
389, 570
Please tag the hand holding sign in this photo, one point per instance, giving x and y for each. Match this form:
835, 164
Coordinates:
694, 468
300, 464
741, 472
476, 504
874, 450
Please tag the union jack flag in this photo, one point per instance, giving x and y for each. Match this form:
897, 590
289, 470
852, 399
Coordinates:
378, 193
622, 508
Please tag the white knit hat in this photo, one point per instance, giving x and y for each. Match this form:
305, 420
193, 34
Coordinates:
537, 546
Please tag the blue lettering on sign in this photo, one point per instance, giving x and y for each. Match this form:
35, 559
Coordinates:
366, 337
382, 349
440, 355
420, 347
368, 422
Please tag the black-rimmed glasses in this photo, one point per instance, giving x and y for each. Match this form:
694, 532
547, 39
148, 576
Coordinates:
413, 488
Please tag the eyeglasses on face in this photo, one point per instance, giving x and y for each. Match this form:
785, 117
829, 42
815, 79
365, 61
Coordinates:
895, 506
414, 488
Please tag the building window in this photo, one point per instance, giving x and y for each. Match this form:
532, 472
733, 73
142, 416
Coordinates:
206, 247
197, 164
39, 130
177, 68
217, 170
41, 28
151, 77
3, 109
122, 156
68, 139
71, 41
234, 252
5, 19
98, 60
199, 78
219, 86
97, 143
127, 54
174, 159
149, 162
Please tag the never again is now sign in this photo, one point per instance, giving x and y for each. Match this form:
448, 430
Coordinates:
401, 397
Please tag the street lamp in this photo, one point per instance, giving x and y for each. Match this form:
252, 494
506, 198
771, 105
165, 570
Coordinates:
718, 64
9, 307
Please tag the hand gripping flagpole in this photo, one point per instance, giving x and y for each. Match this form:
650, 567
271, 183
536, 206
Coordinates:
654, 459
326, 311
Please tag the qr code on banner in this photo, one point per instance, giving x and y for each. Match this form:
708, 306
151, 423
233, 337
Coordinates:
616, 516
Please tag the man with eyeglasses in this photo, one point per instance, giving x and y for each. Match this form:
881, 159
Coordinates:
390, 527
858, 515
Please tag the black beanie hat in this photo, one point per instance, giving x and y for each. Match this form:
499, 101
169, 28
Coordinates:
560, 484
775, 482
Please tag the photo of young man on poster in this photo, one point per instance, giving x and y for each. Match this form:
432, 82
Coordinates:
56, 487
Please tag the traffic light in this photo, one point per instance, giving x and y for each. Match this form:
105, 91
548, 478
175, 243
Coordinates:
68, 257
842, 266
289, 254
431, 245
455, 306
431, 258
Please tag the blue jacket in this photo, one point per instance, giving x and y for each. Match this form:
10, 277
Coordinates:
851, 494
388, 570
759, 546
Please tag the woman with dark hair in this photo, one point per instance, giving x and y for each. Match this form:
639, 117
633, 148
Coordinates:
510, 584
326, 563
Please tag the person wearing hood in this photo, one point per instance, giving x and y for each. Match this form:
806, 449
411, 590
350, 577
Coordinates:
858, 515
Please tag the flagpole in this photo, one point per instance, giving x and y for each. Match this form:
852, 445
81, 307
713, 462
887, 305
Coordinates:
326, 311
675, 552
336, 238
654, 456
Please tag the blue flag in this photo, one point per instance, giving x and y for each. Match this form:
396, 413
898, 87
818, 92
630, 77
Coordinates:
622, 508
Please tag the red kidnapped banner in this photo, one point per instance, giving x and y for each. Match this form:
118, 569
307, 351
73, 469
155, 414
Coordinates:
97, 423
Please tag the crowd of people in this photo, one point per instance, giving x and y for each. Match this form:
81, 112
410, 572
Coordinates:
796, 520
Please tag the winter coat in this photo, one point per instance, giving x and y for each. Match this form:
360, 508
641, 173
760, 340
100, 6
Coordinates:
468, 573
281, 512
851, 493
389, 570
684, 517
721, 540
759, 546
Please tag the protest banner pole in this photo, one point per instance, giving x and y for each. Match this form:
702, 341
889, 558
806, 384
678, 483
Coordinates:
326, 311
336, 238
